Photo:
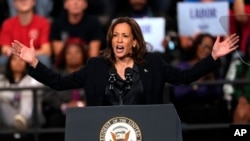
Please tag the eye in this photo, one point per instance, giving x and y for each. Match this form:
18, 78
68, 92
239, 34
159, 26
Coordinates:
125, 36
114, 35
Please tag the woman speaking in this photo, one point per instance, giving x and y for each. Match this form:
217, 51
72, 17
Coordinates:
126, 74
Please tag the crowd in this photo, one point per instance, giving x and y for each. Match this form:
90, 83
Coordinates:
67, 33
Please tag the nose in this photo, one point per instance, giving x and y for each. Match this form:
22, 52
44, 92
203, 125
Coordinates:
119, 39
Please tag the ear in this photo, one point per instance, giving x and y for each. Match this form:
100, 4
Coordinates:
65, 4
85, 5
134, 43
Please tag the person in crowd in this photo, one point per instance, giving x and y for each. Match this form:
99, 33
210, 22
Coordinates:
239, 20
16, 107
42, 7
186, 41
238, 95
74, 22
126, 74
200, 103
23, 27
101, 7
72, 58
241, 113
138, 9
74, 47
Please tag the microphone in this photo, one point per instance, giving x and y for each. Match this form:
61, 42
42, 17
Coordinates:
112, 78
128, 77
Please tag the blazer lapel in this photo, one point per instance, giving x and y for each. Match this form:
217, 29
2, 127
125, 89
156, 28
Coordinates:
145, 74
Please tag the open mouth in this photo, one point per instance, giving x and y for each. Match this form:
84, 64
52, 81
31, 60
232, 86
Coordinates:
119, 48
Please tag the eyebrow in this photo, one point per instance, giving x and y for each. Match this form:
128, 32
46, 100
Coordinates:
121, 33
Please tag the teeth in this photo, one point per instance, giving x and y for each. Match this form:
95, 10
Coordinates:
119, 47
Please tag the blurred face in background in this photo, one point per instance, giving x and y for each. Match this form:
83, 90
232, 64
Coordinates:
17, 65
24, 5
74, 56
138, 5
75, 6
205, 48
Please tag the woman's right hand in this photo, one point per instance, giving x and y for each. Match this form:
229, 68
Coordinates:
28, 54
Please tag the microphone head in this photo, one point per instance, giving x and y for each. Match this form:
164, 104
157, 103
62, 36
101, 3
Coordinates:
112, 71
128, 71
128, 76
112, 78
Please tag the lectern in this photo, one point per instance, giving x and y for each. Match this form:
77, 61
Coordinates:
123, 123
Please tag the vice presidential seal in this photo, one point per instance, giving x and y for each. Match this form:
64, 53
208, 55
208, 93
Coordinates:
120, 129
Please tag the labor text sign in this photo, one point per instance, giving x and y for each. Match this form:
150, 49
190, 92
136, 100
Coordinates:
198, 17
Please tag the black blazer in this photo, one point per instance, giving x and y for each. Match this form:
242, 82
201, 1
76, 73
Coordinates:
94, 77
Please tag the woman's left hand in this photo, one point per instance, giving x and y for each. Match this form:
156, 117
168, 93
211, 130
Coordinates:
225, 47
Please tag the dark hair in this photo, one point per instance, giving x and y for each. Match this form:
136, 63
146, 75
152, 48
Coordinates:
138, 52
197, 42
9, 72
60, 62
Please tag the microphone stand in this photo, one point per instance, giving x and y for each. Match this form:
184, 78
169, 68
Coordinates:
128, 83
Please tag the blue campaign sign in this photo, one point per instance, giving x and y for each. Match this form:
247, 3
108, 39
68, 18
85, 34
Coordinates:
153, 30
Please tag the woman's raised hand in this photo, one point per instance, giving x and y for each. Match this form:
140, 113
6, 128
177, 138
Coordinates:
28, 54
225, 47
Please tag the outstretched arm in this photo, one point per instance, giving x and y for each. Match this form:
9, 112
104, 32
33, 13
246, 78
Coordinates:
41, 73
177, 76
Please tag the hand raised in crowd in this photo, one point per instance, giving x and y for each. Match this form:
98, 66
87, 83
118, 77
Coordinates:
28, 54
225, 47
